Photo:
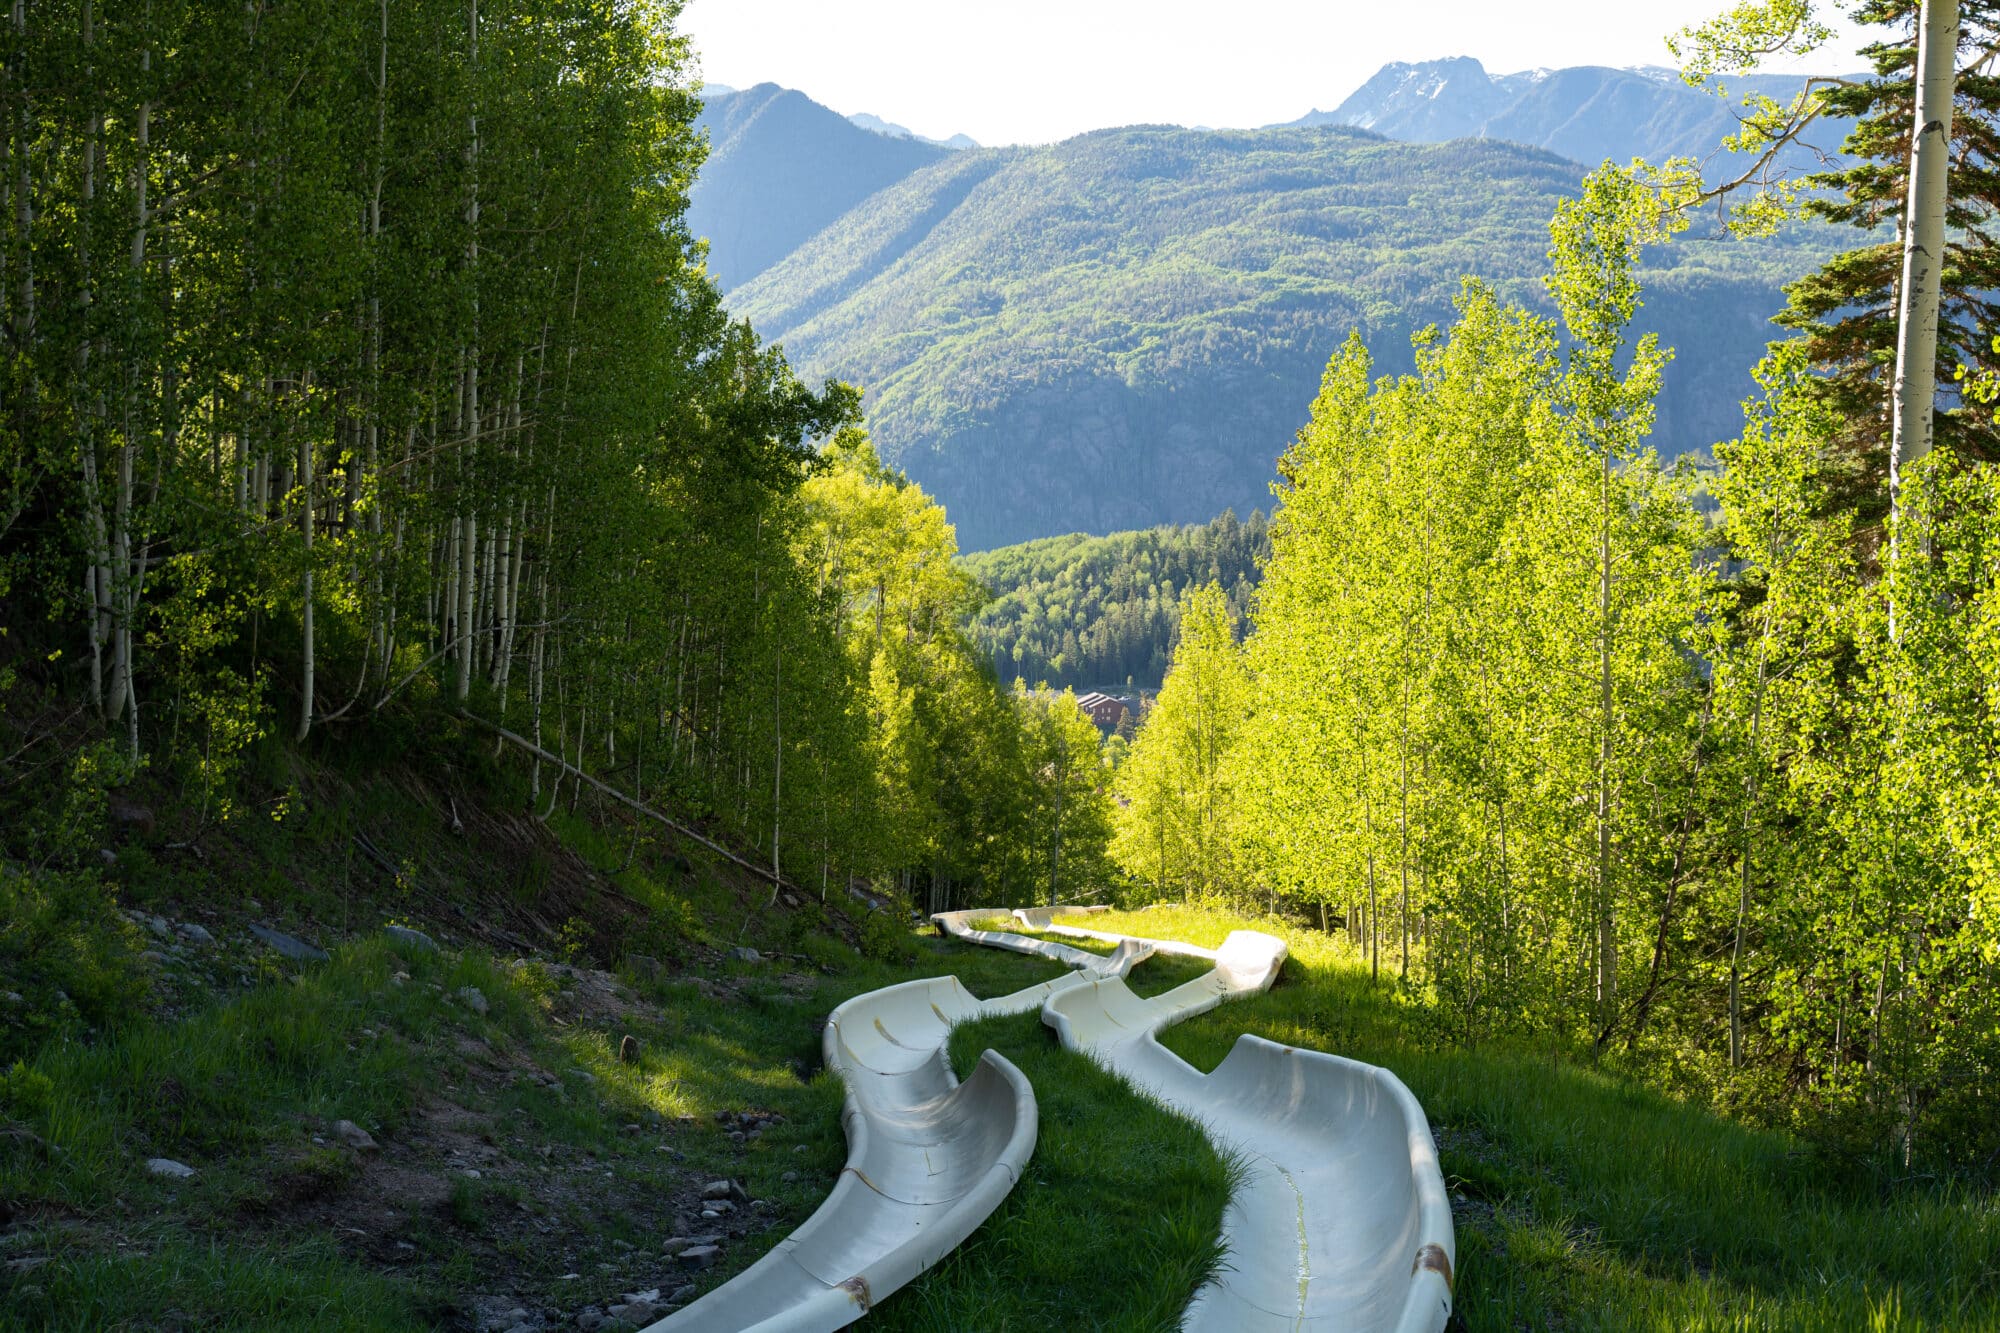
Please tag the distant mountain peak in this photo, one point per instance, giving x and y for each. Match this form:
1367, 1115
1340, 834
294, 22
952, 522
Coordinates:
1586, 113
890, 128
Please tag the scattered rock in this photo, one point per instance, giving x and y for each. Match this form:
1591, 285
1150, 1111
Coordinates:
635, 1314
790, 901
628, 1049
644, 965
699, 1256
167, 1166
158, 925
405, 935
790, 1177
296, 950
472, 998
27, 1265
682, 1294
197, 934
106, 855
737, 1136
353, 1135
13, 997
128, 817
802, 1148
716, 1189
155, 957
746, 954
590, 1319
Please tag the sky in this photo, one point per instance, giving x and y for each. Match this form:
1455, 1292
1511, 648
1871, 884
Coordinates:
1035, 71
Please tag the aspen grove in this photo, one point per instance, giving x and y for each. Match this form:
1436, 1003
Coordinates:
358, 359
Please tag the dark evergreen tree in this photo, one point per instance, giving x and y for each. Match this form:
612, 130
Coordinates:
1847, 310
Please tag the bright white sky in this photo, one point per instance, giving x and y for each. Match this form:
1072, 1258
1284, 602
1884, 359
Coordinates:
1034, 71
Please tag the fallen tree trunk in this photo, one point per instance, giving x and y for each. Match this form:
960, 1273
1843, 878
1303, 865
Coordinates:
619, 796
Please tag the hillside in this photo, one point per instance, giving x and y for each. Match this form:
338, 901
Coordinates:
781, 166
1099, 612
1585, 113
1127, 328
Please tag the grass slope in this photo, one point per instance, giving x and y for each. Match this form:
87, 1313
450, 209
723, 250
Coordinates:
1584, 1202
1126, 328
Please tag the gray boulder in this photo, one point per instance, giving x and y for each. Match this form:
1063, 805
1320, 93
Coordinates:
294, 949
415, 938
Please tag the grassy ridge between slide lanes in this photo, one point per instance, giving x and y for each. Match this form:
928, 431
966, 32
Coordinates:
1582, 1201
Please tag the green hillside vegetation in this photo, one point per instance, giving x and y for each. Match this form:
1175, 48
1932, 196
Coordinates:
1103, 612
1122, 329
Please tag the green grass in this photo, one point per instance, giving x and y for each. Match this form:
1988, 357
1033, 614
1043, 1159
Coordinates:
1113, 1225
245, 1089
1585, 1201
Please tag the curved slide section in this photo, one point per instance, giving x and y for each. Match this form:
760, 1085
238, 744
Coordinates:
928, 1157
1341, 1220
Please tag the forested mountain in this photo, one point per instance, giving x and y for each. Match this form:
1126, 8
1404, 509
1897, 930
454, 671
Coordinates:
1124, 329
1584, 113
780, 167
1099, 612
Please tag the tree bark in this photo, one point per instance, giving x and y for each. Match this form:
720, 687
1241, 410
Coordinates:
1923, 239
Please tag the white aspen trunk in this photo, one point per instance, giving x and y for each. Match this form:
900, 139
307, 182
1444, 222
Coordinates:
1923, 239
777, 760
468, 591
97, 577
463, 687
1749, 804
307, 522
1607, 924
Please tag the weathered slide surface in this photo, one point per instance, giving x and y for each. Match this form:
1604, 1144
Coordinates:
1341, 1220
928, 1157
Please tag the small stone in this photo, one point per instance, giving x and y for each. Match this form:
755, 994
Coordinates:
736, 1136
106, 855
197, 934
590, 1320
709, 1215
715, 1189
13, 997
167, 1166
353, 1135
585, 1075
699, 1256
802, 1148
27, 1265
296, 950
158, 925
472, 998
415, 938
681, 1294
724, 1117
636, 1314
471, 1173
673, 1245
746, 954
155, 957
790, 1177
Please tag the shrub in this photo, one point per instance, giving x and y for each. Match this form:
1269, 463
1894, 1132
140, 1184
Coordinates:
70, 957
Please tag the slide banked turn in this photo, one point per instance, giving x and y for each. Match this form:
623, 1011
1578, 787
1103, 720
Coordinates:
1341, 1219
928, 1157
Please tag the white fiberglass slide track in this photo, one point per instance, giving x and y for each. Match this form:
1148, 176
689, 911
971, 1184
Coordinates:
1340, 1221
928, 1157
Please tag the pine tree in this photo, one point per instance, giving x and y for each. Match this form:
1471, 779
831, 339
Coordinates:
1847, 310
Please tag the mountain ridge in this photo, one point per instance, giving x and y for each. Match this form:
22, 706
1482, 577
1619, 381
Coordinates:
1127, 328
